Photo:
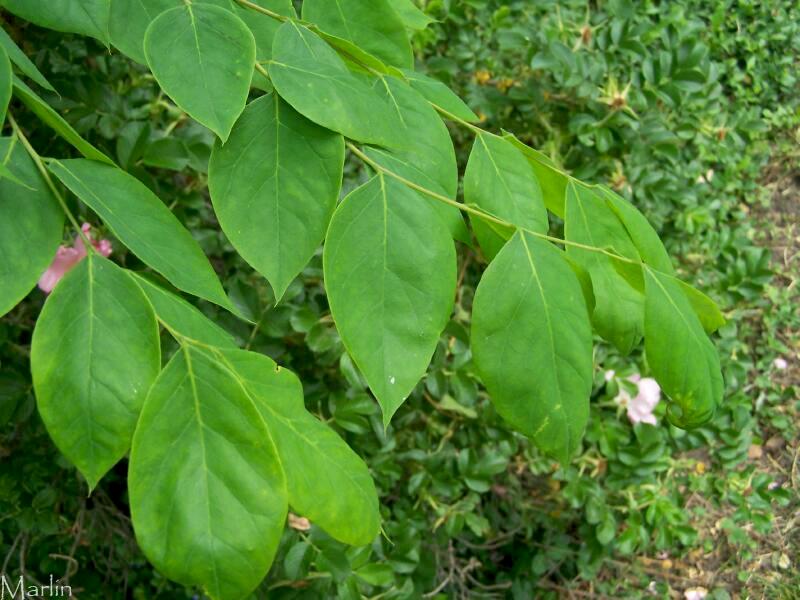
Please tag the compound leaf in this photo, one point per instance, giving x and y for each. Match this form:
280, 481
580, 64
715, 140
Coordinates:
95, 352
274, 186
532, 343
438, 94
203, 57
390, 274
207, 492
142, 222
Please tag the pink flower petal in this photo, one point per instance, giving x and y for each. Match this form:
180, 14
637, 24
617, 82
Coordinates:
65, 259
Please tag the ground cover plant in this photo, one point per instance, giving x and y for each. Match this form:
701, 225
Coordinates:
506, 518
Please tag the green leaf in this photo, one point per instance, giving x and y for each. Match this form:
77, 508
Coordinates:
203, 57
532, 344
130, 18
356, 57
438, 94
370, 24
390, 273
311, 76
95, 352
56, 122
327, 481
499, 180
274, 185
142, 222
644, 237
682, 358
22, 62
619, 308
711, 318
207, 492
552, 179
182, 318
426, 156
31, 225
86, 17
6, 78
413, 18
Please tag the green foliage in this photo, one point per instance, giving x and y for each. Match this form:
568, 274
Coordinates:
451, 476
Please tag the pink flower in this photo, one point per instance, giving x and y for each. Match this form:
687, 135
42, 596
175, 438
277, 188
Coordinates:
67, 257
697, 593
640, 408
780, 364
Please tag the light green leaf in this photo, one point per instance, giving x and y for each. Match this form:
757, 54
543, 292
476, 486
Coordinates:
22, 62
532, 344
6, 78
56, 122
413, 18
711, 318
500, 181
86, 17
94, 355
356, 57
328, 482
552, 179
311, 76
182, 318
682, 358
370, 24
207, 492
390, 273
619, 308
426, 156
142, 222
274, 185
203, 57
438, 94
31, 225
644, 237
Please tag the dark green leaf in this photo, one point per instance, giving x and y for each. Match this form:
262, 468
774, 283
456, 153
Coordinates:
6, 78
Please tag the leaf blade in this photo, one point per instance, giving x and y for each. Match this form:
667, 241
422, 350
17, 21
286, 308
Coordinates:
89, 386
